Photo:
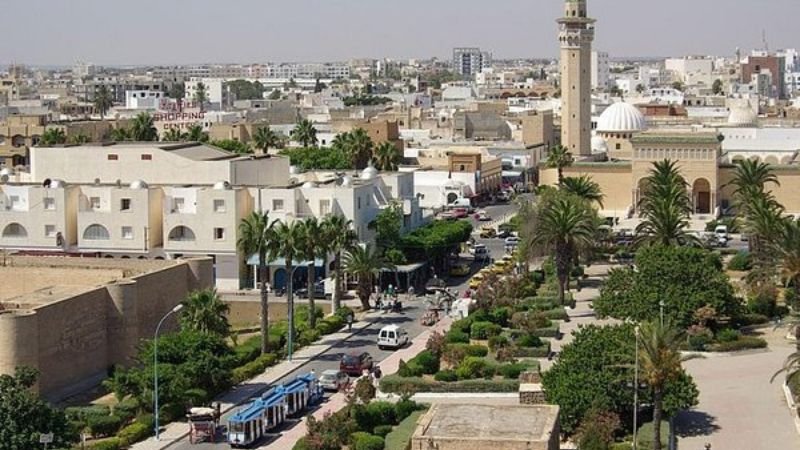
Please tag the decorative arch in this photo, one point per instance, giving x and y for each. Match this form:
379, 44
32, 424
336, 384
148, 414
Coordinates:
96, 232
181, 233
737, 158
15, 230
771, 160
701, 196
754, 158
787, 159
18, 140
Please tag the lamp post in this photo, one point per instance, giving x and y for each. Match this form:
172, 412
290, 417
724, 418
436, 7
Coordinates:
290, 301
155, 365
636, 386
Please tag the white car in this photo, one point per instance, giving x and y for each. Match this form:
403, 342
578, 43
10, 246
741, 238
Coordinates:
334, 380
512, 241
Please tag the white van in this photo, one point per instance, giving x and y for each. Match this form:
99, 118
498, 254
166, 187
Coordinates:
392, 336
722, 232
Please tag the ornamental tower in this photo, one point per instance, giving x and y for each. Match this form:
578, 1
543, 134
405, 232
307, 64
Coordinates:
576, 36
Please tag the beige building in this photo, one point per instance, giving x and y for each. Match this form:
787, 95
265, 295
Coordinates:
17, 134
74, 318
37, 217
576, 36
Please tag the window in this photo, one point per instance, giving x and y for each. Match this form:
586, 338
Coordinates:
94, 202
619, 146
359, 202
147, 157
50, 231
219, 205
113, 157
127, 232
277, 204
96, 232
324, 207
49, 204
125, 204
219, 234
15, 230
14, 201
177, 204
181, 233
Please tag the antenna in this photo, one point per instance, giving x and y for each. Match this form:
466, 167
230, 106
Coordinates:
764, 40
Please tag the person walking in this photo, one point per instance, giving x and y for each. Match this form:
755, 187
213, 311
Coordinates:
350, 321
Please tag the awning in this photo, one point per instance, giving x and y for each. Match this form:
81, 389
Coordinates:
281, 262
406, 268
512, 174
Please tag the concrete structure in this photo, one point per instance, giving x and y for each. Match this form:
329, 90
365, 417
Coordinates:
73, 318
148, 100
17, 134
480, 427
481, 126
467, 62
537, 129
691, 70
601, 72
576, 36
763, 68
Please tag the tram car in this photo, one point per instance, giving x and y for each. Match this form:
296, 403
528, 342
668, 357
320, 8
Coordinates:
254, 420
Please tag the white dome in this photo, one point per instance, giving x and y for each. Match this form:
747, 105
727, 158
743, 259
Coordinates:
621, 117
309, 185
57, 184
222, 186
6, 172
742, 115
369, 173
138, 184
347, 181
599, 145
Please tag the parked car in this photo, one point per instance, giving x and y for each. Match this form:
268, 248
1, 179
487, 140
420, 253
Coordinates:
392, 336
722, 232
334, 380
319, 291
459, 270
487, 232
512, 241
460, 213
355, 364
477, 248
476, 280
483, 216
446, 215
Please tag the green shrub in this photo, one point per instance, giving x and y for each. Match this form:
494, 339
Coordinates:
253, 368
557, 314
500, 316
484, 330
374, 414
248, 351
308, 337
395, 384
791, 298
81, 413
463, 325
134, 432
456, 337
511, 371
382, 430
745, 320
473, 367
409, 369
100, 426
699, 343
107, 444
529, 340
542, 351
404, 408
466, 350
762, 303
496, 342
302, 444
428, 362
366, 441
127, 409
547, 332
343, 312
741, 262
727, 335
445, 375
743, 343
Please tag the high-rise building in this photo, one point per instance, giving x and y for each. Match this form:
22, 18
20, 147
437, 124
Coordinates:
469, 61
601, 72
576, 36
760, 65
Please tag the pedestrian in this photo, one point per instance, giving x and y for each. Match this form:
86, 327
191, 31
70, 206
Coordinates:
376, 372
350, 321
410, 292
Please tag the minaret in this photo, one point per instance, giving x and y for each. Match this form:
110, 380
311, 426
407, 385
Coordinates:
576, 36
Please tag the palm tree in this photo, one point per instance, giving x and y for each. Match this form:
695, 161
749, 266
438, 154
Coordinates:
287, 243
665, 207
53, 136
312, 245
338, 233
788, 249
565, 225
120, 134
750, 179
365, 262
78, 139
386, 157
201, 95
103, 101
584, 187
205, 312
305, 133
359, 149
178, 91
558, 158
660, 360
756, 207
173, 135
256, 236
196, 134
265, 138
143, 129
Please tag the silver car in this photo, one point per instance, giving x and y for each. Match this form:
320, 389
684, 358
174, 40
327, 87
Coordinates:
334, 380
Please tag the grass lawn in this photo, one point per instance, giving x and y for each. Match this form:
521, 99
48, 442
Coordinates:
399, 437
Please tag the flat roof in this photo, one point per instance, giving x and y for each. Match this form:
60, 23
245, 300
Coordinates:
530, 423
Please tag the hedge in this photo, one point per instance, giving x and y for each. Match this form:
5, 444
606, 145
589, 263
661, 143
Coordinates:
107, 444
456, 337
100, 426
484, 330
366, 441
542, 351
750, 319
473, 367
134, 432
382, 430
549, 332
394, 384
253, 368
557, 314
743, 343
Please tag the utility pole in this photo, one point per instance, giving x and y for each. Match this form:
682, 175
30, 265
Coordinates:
636, 388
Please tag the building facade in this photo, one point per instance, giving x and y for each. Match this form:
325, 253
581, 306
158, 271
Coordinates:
469, 61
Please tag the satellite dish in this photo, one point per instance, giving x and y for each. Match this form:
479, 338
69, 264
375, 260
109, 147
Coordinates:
119, 183
97, 181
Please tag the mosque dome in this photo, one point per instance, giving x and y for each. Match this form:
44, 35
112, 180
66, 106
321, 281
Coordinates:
58, 184
742, 115
621, 117
369, 173
138, 184
599, 145
222, 186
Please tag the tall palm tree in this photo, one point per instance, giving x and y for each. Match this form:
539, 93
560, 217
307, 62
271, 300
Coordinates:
256, 236
338, 232
120, 134
173, 135
565, 225
178, 91
386, 157
103, 100
763, 223
53, 136
788, 249
305, 133
558, 158
287, 243
205, 312
143, 128
754, 204
265, 138
365, 263
751, 178
660, 360
201, 95
665, 207
196, 134
312, 245
584, 187
359, 149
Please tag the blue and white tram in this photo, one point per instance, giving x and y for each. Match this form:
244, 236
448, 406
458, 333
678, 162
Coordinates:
301, 392
247, 425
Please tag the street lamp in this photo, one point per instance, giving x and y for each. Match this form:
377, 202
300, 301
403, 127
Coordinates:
290, 301
635, 386
155, 365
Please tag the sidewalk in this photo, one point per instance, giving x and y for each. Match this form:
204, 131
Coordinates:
239, 394
388, 366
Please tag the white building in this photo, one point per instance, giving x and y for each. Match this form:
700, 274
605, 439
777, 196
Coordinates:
600, 70
691, 70
216, 95
469, 61
148, 100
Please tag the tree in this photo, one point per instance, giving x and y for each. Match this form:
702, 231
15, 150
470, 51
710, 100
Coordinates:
233, 146
338, 232
196, 134
558, 158
103, 100
665, 206
387, 227
53, 136
583, 187
358, 148
178, 92
264, 138
386, 157
143, 129
364, 262
305, 133
317, 158
205, 312
173, 135
678, 86
660, 360
120, 134
717, 87
256, 236
685, 279
788, 249
246, 90
201, 95
275, 95
435, 242
287, 244
640, 88
311, 246
24, 416
566, 225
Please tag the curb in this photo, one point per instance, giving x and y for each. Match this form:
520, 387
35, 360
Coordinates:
792, 406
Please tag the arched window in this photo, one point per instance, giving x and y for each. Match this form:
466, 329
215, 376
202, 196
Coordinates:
15, 230
96, 232
181, 233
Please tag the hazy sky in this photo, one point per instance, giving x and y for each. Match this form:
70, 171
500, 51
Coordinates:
196, 31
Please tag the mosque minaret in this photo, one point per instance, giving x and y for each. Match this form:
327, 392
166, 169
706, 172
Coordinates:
576, 36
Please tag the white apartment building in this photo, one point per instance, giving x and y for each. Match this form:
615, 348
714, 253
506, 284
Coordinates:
692, 70
469, 61
216, 93
600, 70
38, 217
143, 99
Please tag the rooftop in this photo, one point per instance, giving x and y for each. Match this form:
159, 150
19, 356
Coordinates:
530, 423
677, 137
